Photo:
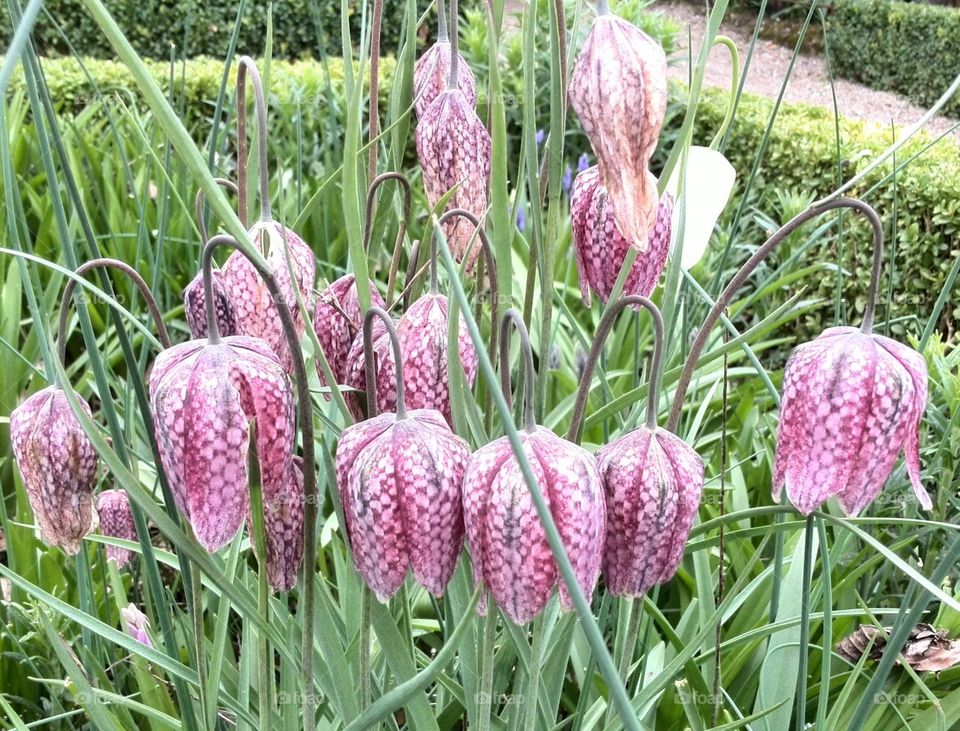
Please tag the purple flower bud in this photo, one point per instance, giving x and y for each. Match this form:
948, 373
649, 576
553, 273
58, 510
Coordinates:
507, 542
116, 521
422, 332
58, 465
194, 306
566, 183
430, 75
540, 135
136, 624
400, 481
521, 218
583, 163
203, 397
255, 312
851, 402
454, 151
601, 250
652, 481
619, 91
336, 320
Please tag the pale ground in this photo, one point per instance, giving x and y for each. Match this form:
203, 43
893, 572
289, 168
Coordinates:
809, 81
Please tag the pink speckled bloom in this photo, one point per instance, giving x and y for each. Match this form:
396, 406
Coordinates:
116, 521
336, 321
430, 75
652, 481
254, 310
356, 376
507, 542
203, 397
454, 151
618, 89
851, 402
400, 480
58, 465
283, 527
600, 249
193, 304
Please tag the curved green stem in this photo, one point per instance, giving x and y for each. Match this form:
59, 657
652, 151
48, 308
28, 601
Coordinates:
246, 66
745, 271
138, 281
369, 361
734, 86
404, 183
453, 78
200, 202
599, 338
513, 317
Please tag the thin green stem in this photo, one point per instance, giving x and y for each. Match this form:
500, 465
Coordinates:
487, 661
363, 648
533, 676
258, 519
246, 66
801, 701
374, 121
442, 36
629, 646
200, 202
513, 317
453, 81
370, 365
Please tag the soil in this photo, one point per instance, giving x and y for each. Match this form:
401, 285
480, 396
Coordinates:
809, 81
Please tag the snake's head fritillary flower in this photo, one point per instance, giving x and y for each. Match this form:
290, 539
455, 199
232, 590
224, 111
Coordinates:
507, 542
254, 309
203, 397
852, 402
400, 479
283, 527
652, 481
194, 301
431, 73
600, 249
336, 320
454, 151
58, 464
356, 376
136, 624
116, 521
619, 91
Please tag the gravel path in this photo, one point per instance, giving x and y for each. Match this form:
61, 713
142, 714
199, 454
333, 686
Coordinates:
809, 81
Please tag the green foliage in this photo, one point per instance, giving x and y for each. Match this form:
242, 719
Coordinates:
910, 48
203, 27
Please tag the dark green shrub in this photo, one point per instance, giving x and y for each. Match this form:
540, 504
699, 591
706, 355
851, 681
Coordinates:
203, 27
910, 48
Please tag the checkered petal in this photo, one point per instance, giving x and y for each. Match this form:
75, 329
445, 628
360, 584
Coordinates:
430, 75
337, 319
194, 303
58, 464
619, 91
454, 151
116, 521
356, 375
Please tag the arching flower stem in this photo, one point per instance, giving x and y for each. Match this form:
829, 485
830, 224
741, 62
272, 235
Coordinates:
247, 65
369, 361
201, 200
404, 183
513, 317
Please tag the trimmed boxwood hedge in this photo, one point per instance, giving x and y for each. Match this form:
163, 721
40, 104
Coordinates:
910, 48
203, 27
801, 156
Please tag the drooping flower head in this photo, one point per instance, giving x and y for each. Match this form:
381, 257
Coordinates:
399, 476
116, 521
618, 89
336, 321
195, 307
508, 544
58, 464
283, 527
601, 250
652, 481
852, 401
430, 75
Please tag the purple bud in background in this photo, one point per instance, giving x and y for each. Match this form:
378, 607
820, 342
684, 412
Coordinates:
521, 218
539, 137
567, 181
116, 521
58, 464
203, 397
583, 163
136, 624
852, 401
194, 306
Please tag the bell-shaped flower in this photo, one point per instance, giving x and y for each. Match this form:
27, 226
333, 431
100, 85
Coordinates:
254, 309
194, 306
58, 464
618, 89
430, 75
852, 401
601, 250
116, 521
336, 321
283, 527
400, 477
203, 396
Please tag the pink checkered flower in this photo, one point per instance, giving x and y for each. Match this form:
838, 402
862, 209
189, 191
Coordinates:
336, 321
194, 303
600, 249
652, 481
507, 542
618, 89
255, 311
852, 401
283, 527
203, 397
116, 521
431, 73
400, 476
58, 464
